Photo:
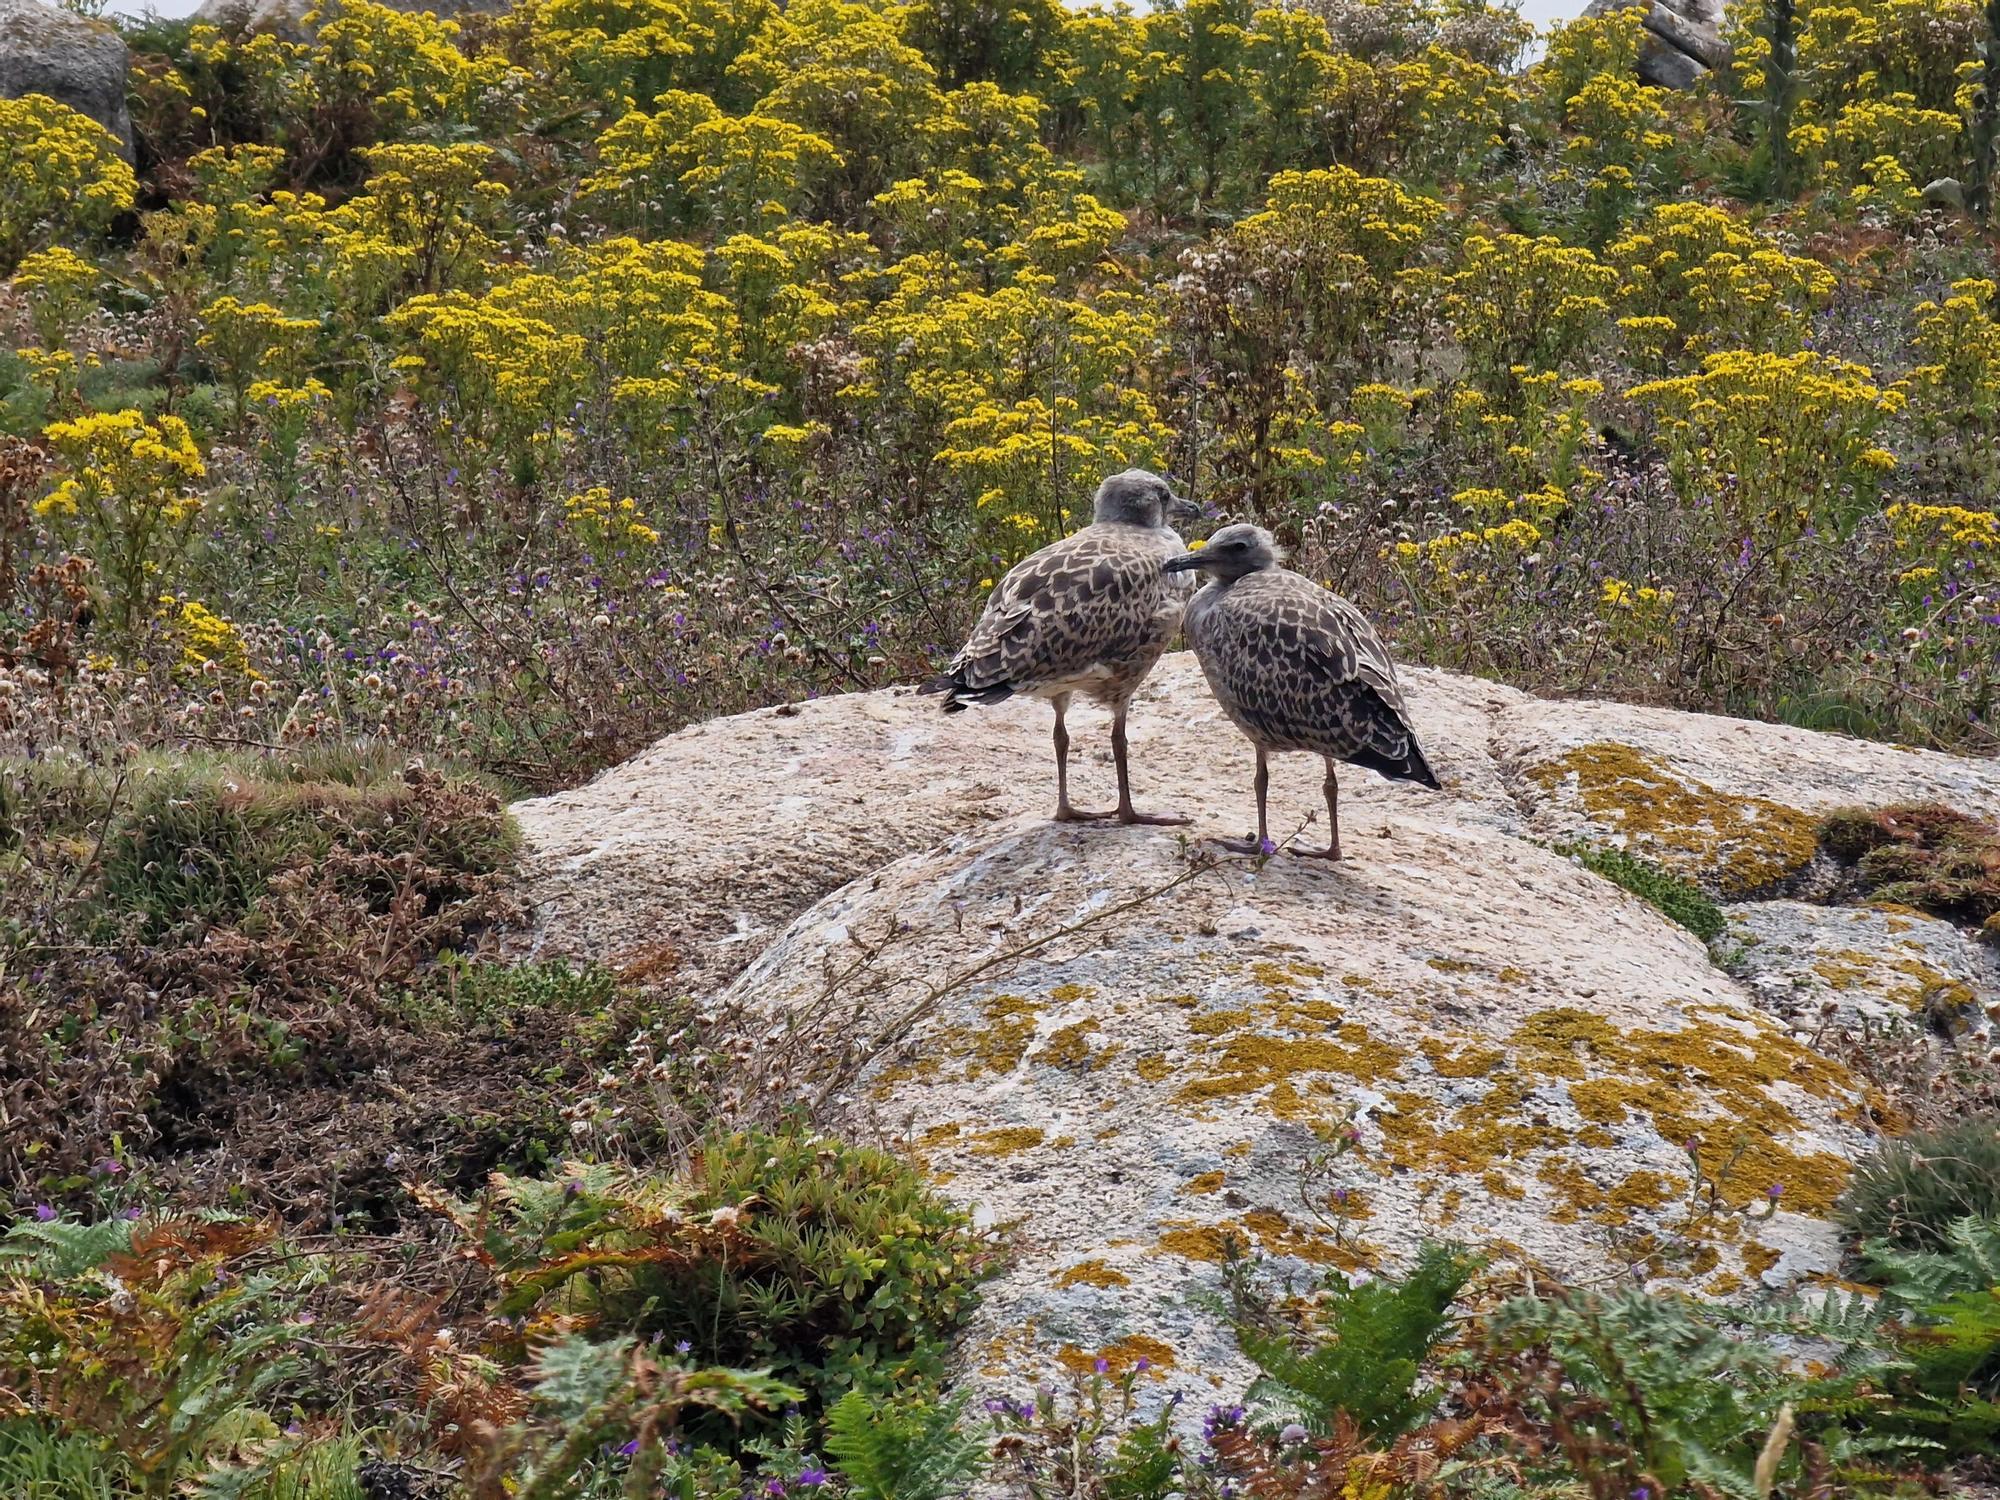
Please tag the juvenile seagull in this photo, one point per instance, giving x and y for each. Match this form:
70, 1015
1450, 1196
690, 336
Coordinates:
1296, 667
1088, 614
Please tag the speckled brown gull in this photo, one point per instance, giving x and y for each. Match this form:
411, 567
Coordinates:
1089, 614
1297, 668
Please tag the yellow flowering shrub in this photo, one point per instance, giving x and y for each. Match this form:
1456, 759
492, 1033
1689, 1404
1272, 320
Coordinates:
1955, 390
1774, 443
433, 209
1457, 567
1636, 616
1024, 393
254, 341
206, 642
1589, 48
125, 495
842, 71
605, 525
1525, 303
1883, 89
1945, 550
58, 286
363, 73
1714, 281
60, 173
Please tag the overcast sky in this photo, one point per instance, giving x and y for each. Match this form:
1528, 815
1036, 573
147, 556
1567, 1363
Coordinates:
1541, 12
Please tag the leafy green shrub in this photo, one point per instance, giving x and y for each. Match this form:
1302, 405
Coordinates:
831, 1265
1912, 1190
1678, 900
1921, 855
1366, 1352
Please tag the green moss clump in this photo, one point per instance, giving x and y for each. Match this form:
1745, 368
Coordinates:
1678, 900
1921, 855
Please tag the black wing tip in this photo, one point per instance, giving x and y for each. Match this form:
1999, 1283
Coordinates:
1408, 767
963, 696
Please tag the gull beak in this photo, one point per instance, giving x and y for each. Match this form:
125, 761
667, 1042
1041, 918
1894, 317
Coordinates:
1187, 562
1180, 508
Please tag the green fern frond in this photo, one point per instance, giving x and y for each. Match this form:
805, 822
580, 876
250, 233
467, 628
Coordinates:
60, 1250
903, 1450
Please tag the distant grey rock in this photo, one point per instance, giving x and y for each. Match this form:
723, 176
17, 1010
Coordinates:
75, 62
238, 16
1683, 42
286, 17
1945, 192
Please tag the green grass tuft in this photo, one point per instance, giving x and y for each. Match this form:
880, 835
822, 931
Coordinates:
1911, 1191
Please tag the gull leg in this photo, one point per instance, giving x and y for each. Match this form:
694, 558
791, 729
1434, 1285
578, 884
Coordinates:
1332, 849
1263, 785
1064, 812
1126, 814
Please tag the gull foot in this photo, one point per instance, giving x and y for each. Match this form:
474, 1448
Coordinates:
1077, 815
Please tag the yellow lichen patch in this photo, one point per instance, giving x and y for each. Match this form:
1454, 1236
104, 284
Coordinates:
1152, 1067
1207, 1182
1716, 1073
1069, 1047
1278, 1235
1760, 1258
1725, 1284
1576, 1192
1500, 1186
1238, 1151
1845, 970
924, 1068
1740, 844
1245, 1064
1452, 965
1209, 1242
1472, 1062
1069, 994
1092, 1273
1218, 1022
1281, 980
1005, 1142
1132, 1352
937, 1135
1003, 1042
1640, 1192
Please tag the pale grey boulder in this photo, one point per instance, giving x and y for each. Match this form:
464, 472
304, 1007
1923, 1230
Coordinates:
1683, 42
285, 18
77, 62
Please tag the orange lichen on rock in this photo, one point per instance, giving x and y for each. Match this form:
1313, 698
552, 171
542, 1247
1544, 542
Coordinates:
1129, 1353
1005, 1142
1092, 1273
1736, 844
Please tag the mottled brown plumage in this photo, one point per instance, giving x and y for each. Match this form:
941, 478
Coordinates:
1089, 614
1296, 668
